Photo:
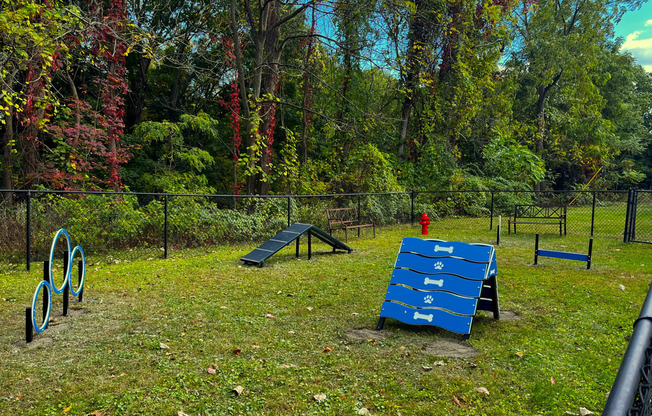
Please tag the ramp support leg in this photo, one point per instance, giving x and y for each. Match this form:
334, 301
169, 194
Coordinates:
536, 248
297, 251
309, 245
381, 324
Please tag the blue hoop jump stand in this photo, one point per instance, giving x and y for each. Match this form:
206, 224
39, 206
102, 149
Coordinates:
50, 288
562, 254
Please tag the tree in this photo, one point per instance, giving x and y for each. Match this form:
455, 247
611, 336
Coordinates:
556, 62
258, 87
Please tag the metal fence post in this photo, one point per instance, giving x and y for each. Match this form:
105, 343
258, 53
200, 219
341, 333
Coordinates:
289, 210
165, 229
412, 208
632, 216
28, 226
359, 213
629, 202
491, 212
593, 214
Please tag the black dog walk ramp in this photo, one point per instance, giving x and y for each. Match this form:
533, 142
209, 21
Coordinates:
284, 238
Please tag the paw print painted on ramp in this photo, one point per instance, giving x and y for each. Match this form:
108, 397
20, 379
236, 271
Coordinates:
439, 265
428, 299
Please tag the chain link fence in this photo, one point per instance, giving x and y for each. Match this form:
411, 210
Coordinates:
148, 225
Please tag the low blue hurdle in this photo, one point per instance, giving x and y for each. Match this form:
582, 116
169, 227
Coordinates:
562, 254
441, 283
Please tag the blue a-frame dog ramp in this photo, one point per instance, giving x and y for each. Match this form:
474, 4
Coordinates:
281, 240
441, 283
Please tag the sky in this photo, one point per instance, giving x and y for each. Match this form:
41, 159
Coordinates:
636, 28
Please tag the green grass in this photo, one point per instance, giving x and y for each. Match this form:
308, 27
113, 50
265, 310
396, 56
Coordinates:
267, 330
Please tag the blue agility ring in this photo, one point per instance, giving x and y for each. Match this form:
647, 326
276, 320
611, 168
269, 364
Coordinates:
37, 328
83, 268
51, 259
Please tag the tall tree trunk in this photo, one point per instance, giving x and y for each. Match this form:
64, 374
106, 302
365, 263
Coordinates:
307, 95
419, 34
343, 113
270, 87
244, 101
542, 95
136, 95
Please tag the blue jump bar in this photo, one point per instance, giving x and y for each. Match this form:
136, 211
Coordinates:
563, 255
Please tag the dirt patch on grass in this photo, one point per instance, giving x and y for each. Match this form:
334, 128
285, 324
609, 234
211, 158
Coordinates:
37, 342
508, 315
450, 349
57, 324
364, 334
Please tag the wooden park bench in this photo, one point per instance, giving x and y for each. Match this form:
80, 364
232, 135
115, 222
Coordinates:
441, 283
345, 219
536, 214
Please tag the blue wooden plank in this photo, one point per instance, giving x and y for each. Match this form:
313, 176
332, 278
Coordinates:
434, 317
493, 265
425, 299
438, 281
563, 255
437, 248
450, 265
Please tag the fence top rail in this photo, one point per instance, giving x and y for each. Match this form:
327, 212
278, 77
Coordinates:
65, 192
413, 192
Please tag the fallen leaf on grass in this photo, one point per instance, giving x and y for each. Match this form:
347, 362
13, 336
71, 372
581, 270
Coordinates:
238, 390
210, 370
269, 316
237, 351
457, 402
309, 308
584, 411
98, 413
520, 354
67, 409
439, 363
482, 390
426, 368
319, 397
621, 287
552, 380
363, 411
328, 348
180, 413
163, 346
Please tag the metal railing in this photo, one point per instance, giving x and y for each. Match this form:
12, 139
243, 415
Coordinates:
631, 393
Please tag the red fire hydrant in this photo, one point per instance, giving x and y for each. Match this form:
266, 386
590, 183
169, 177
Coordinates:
425, 221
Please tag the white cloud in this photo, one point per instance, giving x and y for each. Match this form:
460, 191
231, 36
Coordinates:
640, 48
648, 23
